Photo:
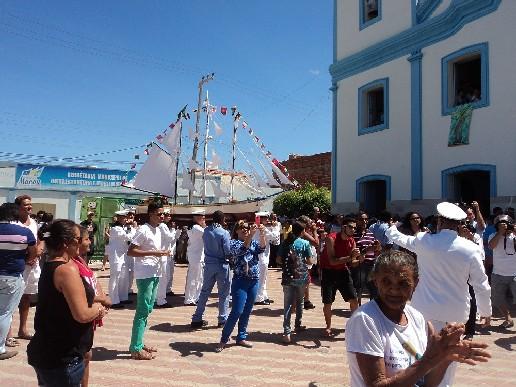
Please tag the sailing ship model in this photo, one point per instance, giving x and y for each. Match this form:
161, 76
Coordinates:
166, 173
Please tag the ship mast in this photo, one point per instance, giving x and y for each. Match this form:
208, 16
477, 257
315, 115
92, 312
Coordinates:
204, 79
206, 139
233, 155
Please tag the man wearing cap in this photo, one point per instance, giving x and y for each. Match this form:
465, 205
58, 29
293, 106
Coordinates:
503, 279
447, 263
169, 239
119, 239
272, 235
195, 256
216, 269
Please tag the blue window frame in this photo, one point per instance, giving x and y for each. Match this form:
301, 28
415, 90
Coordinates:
370, 12
372, 178
373, 106
465, 78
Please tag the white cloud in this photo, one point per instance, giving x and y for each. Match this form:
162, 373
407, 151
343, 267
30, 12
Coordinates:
314, 72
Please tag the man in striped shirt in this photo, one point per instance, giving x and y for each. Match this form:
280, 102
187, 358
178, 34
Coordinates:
369, 248
17, 247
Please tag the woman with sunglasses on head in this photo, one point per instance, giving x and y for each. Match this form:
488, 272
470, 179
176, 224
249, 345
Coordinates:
412, 224
89, 276
65, 311
244, 287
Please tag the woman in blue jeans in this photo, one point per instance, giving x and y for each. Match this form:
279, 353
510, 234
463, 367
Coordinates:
244, 255
295, 253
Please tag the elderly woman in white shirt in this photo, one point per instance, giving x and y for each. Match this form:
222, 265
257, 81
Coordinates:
389, 342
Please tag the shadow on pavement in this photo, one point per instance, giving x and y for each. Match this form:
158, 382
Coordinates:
506, 343
341, 313
267, 312
169, 328
102, 354
187, 348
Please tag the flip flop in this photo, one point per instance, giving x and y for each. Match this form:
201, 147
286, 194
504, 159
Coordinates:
12, 342
328, 333
25, 337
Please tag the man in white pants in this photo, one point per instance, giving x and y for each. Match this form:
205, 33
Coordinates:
195, 256
131, 227
119, 239
447, 263
272, 235
168, 239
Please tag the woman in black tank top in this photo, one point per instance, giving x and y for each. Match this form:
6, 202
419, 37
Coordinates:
65, 312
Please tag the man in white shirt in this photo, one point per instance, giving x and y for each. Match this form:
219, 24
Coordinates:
119, 239
169, 239
146, 248
272, 236
195, 256
447, 263
32, 272
503, 244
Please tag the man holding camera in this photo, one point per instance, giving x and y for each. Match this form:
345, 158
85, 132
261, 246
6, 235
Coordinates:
503, 244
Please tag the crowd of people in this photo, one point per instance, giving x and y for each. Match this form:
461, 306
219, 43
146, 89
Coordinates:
443, 265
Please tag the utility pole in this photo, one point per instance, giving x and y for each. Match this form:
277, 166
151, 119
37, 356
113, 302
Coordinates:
204, 79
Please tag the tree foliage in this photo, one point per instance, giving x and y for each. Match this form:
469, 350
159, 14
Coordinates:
302, 201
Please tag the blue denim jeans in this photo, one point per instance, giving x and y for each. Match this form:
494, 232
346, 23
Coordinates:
292, 294
243, 293
214, 272
69, 375
11, 290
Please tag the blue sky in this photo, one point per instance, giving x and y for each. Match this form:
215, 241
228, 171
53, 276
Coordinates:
82, 77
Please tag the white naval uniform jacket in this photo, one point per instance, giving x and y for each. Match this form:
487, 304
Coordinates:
118, 246
272, 235
447, 263
169, 239
195, 249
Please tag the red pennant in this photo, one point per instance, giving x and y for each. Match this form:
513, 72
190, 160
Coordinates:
146, 151
223, 110
244, 124
159, 137
171, 126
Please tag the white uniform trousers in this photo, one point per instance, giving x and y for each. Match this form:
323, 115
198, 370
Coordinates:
118, 285
129, 266
261, 294
449, 376
170, 272
194, 278
161, 294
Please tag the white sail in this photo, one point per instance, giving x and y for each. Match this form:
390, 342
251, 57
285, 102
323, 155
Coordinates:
158, 173
219, 193
171, 140
218, 129
192, 165
271, 181
186, 181
283, 179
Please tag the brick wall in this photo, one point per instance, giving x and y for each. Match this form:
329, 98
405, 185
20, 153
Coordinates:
314, 168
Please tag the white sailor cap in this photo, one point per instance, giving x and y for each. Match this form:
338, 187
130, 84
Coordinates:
122, 212
451, 211
198, 212
262, 213
167, 211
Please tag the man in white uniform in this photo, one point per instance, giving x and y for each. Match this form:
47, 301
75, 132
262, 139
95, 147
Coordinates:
272, 235
131, 227
168, 239
119, 239
32, 272
195, 256
447, 263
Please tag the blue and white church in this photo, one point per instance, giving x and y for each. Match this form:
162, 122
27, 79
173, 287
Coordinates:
424, 104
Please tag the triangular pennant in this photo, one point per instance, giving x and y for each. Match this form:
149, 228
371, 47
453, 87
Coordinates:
223, 110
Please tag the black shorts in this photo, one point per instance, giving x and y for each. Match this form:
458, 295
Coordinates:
333, 280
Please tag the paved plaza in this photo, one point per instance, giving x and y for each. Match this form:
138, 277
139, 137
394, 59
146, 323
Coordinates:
187, 358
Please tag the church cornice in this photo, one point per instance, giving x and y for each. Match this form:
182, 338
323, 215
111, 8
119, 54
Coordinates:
431, 31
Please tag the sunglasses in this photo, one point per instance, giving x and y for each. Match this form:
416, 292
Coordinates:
349, 226
415, 218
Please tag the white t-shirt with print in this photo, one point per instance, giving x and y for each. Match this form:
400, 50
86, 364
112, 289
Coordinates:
370, 332
503, 262
147, 238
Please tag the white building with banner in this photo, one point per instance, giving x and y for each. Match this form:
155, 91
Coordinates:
422, 106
